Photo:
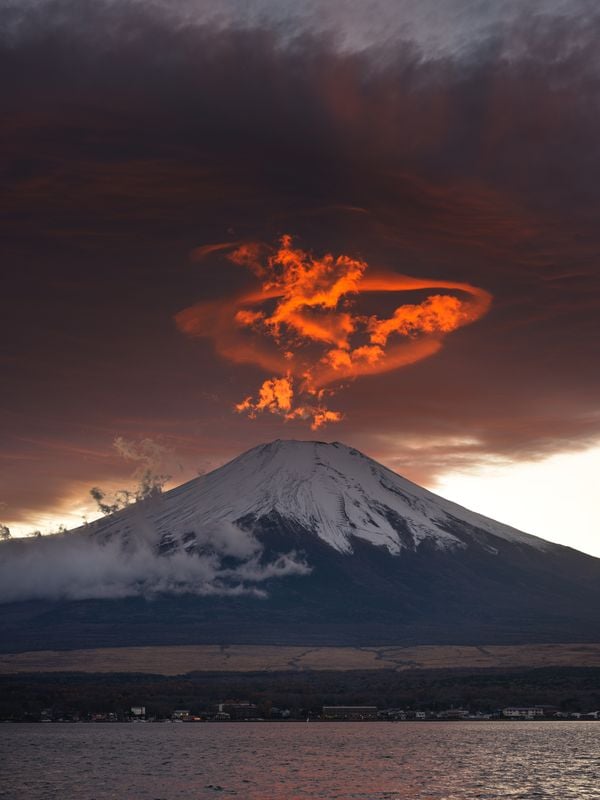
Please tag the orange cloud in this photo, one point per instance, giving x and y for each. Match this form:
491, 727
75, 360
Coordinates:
277, 396
302, 324
199, 253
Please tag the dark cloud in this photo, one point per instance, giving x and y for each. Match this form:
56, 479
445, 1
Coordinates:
131, 137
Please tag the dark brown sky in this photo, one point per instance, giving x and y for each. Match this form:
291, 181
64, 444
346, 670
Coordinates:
127, 141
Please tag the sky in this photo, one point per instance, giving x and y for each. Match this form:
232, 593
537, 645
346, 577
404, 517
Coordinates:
225, 223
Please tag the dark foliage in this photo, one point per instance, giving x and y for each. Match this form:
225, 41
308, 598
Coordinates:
567, 688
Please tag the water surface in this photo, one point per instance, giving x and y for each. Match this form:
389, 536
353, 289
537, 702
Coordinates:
294, 761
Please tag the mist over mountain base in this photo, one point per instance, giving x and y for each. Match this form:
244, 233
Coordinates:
369, 599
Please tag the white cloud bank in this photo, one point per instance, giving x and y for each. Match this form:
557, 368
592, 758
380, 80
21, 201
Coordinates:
78, 566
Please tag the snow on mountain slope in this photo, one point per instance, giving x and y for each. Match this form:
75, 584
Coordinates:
329, 490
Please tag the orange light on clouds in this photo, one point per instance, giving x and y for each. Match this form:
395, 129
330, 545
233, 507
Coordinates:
302, 325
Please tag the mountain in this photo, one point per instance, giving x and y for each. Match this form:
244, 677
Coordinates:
330, 491
295, 543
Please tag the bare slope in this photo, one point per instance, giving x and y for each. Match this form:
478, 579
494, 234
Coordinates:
245, 658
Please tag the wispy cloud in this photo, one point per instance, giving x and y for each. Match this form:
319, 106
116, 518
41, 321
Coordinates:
83, 565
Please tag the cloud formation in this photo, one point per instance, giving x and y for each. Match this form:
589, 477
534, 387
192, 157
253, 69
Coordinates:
87, 565
303, 321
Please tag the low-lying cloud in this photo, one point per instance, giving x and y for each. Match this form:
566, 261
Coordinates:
87, 565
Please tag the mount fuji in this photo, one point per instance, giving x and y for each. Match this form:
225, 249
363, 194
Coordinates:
295, 542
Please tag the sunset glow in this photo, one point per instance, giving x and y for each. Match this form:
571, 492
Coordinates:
224, 228
313, 333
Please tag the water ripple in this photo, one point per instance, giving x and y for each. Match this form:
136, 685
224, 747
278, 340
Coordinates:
289, 761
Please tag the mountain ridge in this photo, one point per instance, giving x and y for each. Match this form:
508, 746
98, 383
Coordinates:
297, 543
331, 489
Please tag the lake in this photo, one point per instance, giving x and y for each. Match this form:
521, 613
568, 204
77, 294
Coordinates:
289, 761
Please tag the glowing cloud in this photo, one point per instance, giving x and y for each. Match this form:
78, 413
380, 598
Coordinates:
303, 324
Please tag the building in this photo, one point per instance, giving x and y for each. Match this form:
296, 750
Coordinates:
349, 712
239, 710
103, 716
181, 714
392, 714
453, 713
523, 712
138, 712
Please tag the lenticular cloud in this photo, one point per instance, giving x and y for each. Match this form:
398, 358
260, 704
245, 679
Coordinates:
309, 322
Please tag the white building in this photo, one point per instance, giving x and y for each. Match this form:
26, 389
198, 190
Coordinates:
523, 712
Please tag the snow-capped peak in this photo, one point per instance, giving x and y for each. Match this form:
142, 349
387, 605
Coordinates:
327, 489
